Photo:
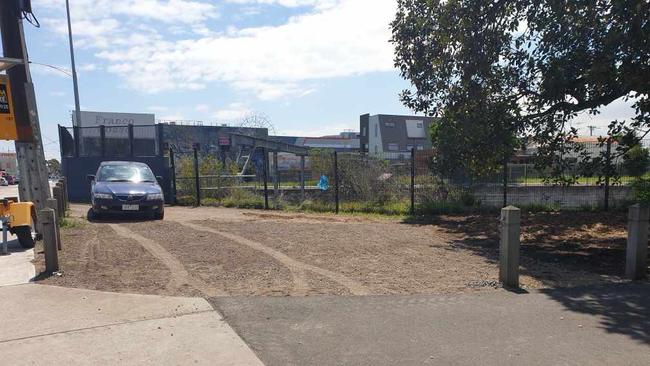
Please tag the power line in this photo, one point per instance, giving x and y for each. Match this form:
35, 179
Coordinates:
53, 67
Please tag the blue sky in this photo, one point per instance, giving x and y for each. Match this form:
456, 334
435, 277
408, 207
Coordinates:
311, 66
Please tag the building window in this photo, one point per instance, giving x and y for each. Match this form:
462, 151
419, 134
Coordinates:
376, 149
376, 129
420, 147
409, 147
393, 147
389, 124
363, 131
419, 125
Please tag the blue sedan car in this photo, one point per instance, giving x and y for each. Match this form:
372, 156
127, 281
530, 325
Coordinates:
121, 187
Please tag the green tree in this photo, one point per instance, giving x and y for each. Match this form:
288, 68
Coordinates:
53, 167
636, 161
498, 71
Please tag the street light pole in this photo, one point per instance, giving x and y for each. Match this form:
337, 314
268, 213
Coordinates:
74, 69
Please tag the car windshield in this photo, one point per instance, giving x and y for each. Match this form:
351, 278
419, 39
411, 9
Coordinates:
125, 173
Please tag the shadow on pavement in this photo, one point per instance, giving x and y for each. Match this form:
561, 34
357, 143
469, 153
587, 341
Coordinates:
622, 309
117, 219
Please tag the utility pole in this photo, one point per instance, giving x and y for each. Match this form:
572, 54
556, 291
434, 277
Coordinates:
75, 84
33, 185
591, 130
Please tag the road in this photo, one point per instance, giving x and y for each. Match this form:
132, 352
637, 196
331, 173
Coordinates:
9, 191
12, 190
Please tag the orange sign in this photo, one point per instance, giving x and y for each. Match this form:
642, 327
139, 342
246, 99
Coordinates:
7, 118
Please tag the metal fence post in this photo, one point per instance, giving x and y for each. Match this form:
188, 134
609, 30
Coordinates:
413, 181
48, 227
505, 183
131, 140
266, 178
302, 178
276, 179
608, 163
102, 139
62, 148
336, 181
172, 164
76, 135
196, 176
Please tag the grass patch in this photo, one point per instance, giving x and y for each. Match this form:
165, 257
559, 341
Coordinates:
69, 223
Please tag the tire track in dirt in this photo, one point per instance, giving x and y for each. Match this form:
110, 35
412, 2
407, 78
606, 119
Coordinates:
295, 266
179, 275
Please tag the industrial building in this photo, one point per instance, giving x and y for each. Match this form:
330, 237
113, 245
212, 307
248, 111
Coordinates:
394, 135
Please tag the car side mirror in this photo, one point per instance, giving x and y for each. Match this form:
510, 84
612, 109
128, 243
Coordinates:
90, 177
159, 178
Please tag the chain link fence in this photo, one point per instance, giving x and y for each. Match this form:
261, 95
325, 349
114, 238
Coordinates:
397, 183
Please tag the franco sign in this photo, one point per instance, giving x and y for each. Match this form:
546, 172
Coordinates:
7, 118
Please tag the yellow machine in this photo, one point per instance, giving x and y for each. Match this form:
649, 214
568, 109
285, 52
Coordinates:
17, 218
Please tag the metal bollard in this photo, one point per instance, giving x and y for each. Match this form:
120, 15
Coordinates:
52, 203
509, 247
636, 252
48, 226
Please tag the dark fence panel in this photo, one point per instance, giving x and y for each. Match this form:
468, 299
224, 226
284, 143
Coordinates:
77, 169
84, 148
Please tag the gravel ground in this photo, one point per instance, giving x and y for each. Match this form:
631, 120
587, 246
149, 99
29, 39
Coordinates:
92, 258
245, 253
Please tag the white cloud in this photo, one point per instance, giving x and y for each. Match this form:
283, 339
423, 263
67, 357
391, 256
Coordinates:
324, 129
157, 108
289, 3
233, 112
89, 67
166, 11
202, 108
336, 38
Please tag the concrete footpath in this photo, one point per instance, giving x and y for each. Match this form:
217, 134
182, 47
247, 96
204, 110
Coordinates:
16, 267
581, 326
48, 325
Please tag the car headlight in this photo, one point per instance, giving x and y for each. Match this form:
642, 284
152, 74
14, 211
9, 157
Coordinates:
103, 196
154, 196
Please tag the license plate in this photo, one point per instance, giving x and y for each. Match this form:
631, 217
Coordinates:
130, 207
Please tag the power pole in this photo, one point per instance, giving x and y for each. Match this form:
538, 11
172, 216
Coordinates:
75, 84
34, 185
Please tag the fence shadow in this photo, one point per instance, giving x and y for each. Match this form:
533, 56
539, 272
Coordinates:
555, 245
622, 309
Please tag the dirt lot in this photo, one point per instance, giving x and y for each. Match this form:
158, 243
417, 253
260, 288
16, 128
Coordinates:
219, 252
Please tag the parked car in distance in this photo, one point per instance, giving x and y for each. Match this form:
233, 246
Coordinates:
126, 187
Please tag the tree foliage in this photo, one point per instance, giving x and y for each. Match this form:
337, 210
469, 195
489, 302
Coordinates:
497, 71
53, 166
